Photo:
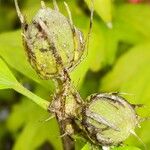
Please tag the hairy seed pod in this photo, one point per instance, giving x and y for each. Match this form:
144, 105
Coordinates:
108, 119
52, 42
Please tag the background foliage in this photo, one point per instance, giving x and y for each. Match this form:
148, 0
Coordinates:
118, 60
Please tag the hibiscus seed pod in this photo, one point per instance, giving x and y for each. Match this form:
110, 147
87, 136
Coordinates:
51, 41
108, 119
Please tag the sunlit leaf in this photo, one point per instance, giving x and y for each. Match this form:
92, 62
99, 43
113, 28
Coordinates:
12, 51
131, 75
104, 9
126, 148
127, 67
7, 80
86, 147
136, 16
125, 49
35, 130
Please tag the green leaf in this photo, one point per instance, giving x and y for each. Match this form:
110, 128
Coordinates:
127, 68
103, 8
127, 28
86, 147
7, 17
130, 15
36, 99
131, 74
126, 148
7, 80
80, 142
12, 51
95, 58
35, 130
104, 43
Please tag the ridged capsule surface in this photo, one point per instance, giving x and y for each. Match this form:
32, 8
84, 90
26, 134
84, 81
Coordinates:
108, 119
52, 43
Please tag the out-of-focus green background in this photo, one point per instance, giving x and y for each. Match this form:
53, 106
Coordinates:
118, 60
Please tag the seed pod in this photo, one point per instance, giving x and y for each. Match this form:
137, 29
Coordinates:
108, 119
51, 41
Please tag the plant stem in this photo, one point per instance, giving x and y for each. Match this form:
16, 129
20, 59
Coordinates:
68, 143
36, 99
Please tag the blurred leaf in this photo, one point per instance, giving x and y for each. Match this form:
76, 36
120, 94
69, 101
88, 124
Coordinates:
12, 51
36, 99
35, 131
18, 115
7, 80
6, 95
94, 59
80, 142
127, 68
7, 18
103, 8
103, 44
126, 148
131, 74
136, 16
130, 25
86, 147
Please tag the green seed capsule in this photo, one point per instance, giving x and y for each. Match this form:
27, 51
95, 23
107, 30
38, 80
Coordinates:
108, 119
51, 41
